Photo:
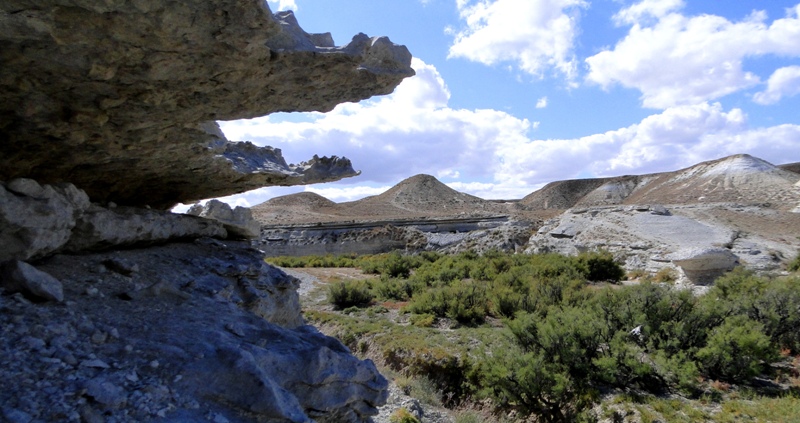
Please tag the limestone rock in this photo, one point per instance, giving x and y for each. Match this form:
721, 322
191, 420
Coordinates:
238, 222
208, 356
100, 228
123, 96
703, 265
18, 276
36, 220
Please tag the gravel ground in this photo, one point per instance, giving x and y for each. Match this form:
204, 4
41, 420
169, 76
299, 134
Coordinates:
311, 295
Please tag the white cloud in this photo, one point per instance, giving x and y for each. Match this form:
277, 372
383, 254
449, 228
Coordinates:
534, 35
491, 153
680, 60
783, 82
678, 137
541, 103
647, 9
282, 5
408, 132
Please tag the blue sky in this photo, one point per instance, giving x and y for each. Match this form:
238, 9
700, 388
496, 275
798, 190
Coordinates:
512, 94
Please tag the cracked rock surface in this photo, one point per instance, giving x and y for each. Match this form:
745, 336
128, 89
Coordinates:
131, 91
196, 331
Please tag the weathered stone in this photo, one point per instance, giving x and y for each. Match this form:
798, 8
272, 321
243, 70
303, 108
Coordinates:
238, 222
99, 228
703, 265
36, 220
123, 96
18, 276
105, 392
704, 259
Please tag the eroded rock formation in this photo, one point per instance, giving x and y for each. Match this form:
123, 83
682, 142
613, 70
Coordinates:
110, 106
196, 331
121, 98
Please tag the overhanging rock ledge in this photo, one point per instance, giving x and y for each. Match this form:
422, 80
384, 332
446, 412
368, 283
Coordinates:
131, 91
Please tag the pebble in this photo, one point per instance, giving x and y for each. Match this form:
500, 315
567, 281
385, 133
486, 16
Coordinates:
99, 337
95, 363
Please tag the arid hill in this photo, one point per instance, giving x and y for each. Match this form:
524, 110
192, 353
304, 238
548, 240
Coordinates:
738, 209
740, 179
417, 197
736, 179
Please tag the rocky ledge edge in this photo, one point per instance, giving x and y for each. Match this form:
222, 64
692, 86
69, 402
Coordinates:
192, 327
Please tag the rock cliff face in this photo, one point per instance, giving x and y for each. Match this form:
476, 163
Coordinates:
110, 311
131, 90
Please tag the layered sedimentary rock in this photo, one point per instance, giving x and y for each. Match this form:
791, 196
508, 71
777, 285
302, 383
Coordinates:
121, 98
185, 332
109, 106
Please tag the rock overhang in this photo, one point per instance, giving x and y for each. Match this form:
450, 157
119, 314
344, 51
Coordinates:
121, 98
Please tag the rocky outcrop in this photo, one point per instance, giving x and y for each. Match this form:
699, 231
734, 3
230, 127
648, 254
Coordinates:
18, 276
38, 220
238, 222
197, 331
120, 98
734, 179
703, 265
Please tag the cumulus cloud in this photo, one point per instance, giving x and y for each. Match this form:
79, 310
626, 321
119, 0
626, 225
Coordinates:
678, 60
282, 5
647, 9
784, 82
541, 103
491, 153
534, 35
408, 132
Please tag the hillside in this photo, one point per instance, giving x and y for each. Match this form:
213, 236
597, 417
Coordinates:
417, 197
734, 179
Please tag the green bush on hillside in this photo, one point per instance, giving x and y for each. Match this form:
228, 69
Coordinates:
349, 294
737, 350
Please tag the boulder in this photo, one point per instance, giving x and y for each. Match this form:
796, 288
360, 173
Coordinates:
703, 265
210, 330
18, 276
123, 96
238, 222
36, 220
101, 228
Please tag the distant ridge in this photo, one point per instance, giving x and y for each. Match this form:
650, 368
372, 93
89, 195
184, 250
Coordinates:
417, 197
561, 194
302, 199
740, 179
791, 167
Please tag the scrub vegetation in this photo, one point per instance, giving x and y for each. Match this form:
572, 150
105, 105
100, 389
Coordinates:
554, 336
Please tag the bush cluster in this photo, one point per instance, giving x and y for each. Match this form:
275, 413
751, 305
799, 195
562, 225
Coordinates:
568, 341
469, 287
650, 337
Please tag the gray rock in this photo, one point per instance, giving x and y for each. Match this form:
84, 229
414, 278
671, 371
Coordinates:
238, 222
37, 220
18, 276
703, 265
698, 259
105, 392
130, 118
100, 228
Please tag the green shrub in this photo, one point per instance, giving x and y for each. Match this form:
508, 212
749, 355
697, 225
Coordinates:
422, 320
600, 266
401, 415
794, 265
349, 294
665, 275
466, 302
736, 351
